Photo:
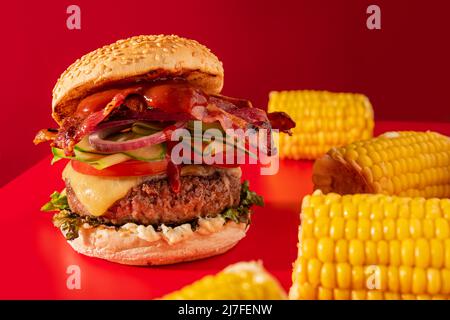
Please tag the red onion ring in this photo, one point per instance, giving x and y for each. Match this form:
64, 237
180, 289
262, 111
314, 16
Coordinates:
97, 139
111, 124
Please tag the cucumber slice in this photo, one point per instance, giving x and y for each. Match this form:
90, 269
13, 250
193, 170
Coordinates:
109, 161
80, 156
150, 153
124, 136
85, 146
58, 154
227, 145
142, 131
97, 161
85, 152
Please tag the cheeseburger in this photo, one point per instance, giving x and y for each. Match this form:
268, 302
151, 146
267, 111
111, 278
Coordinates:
126, 199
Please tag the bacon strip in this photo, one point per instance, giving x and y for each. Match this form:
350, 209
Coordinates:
165, 102
45, 135
281, 121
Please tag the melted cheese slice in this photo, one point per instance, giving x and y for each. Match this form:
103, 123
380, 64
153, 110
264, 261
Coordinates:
97, 194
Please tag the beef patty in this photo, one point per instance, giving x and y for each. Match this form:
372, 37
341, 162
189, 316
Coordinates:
153, 202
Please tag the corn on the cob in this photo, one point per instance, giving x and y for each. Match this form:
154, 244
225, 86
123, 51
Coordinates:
324, 120
240, 281
372, 246
404, 163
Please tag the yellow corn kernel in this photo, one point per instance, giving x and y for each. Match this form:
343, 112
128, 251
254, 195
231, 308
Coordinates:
402, 229
309, 247
343, 275
428, 228
244, 280
404, 163
341, 294
374, 295
313, 270
364, 210
324, 119
419, 281
358, 277
432, 209
442, 228
394, 253
300, 273
336, 210
376, 230
337, 228
349, 210
351, 229
383, 252
437, 253
393, 279
359, 295
321, 227
391, 210
389, 229
406, 279
315, 201
445, 280
325, 250
341, 251
392, 296
328, 276
415, 228
377, 212
422, 253
398, 251
324, 294
307, 292
447, 253
418, 208
363, 229
371, 252
356, 252
322, 211
407, 252
433, 281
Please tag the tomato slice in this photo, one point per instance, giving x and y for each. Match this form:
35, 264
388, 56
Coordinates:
124, 169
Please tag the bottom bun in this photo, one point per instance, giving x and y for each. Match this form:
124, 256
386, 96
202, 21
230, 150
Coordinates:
127, 248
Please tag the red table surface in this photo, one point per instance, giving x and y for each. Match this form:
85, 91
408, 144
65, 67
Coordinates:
35, 256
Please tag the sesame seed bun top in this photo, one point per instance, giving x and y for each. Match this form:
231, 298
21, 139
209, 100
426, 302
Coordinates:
138, 58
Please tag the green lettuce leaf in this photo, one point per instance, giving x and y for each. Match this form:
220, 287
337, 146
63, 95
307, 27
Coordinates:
68, 222
241, 213
58, 201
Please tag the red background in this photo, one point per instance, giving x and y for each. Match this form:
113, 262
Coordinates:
265, 45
